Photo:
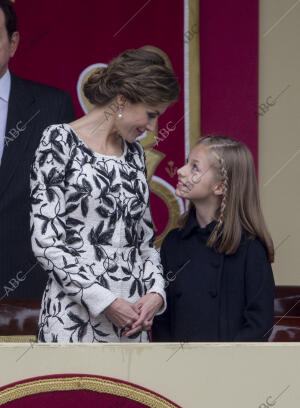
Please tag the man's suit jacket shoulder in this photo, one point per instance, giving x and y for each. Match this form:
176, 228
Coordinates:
31, 108
58, 102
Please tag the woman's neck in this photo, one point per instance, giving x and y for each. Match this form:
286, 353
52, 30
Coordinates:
97, 129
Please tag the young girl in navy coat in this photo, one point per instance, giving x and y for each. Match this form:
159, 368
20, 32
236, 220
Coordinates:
219, 280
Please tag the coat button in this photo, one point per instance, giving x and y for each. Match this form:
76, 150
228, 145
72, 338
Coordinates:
213, 293
215, 263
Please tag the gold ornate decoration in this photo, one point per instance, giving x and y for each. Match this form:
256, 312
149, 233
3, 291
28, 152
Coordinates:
171, 170
173, 206
194, 72
96, 384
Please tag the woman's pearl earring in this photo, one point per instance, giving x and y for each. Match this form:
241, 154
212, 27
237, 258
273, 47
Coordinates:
120, 114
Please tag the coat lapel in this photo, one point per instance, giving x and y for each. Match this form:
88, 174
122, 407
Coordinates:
20, 123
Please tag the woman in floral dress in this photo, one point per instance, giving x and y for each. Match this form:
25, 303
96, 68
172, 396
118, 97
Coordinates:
91, 225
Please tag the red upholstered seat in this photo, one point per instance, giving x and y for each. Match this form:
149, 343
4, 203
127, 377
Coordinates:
287, 314
77, 390
19, 317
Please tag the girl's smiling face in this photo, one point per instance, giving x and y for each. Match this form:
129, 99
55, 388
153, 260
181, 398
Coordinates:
198, 179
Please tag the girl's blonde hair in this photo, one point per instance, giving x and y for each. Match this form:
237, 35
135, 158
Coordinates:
240, 207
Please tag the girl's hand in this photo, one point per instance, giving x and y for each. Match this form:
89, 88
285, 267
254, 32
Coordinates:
122, 313
148, 306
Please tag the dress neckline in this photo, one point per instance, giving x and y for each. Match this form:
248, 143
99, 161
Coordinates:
97, 153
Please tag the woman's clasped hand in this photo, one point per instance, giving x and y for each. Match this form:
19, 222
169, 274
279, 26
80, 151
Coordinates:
134, 317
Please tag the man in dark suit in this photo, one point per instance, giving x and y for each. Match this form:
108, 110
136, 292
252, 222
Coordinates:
26, 109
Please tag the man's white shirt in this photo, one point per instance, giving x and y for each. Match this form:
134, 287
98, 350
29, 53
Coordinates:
5, 83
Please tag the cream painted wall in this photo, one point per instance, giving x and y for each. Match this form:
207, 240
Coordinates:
193, 375
279, 132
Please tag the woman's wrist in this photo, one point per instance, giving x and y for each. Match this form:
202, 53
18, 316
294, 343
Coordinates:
160, 299
156, 293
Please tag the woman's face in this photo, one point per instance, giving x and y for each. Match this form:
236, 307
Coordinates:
197, 179
138, 118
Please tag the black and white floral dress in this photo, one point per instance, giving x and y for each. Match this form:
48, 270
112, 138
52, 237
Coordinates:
91, 230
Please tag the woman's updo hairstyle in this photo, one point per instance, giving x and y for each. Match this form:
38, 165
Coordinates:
140, 76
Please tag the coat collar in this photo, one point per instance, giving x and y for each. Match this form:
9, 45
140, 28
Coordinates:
192, 225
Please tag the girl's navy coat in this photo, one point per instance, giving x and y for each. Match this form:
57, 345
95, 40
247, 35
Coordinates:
215, 297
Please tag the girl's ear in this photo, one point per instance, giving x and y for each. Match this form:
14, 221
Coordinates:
218, 188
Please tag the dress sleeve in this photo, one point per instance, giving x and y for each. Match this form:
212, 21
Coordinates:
259, 288
153, 270
48, 225
161, 328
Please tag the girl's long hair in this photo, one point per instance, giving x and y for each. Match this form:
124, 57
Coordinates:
240, 207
